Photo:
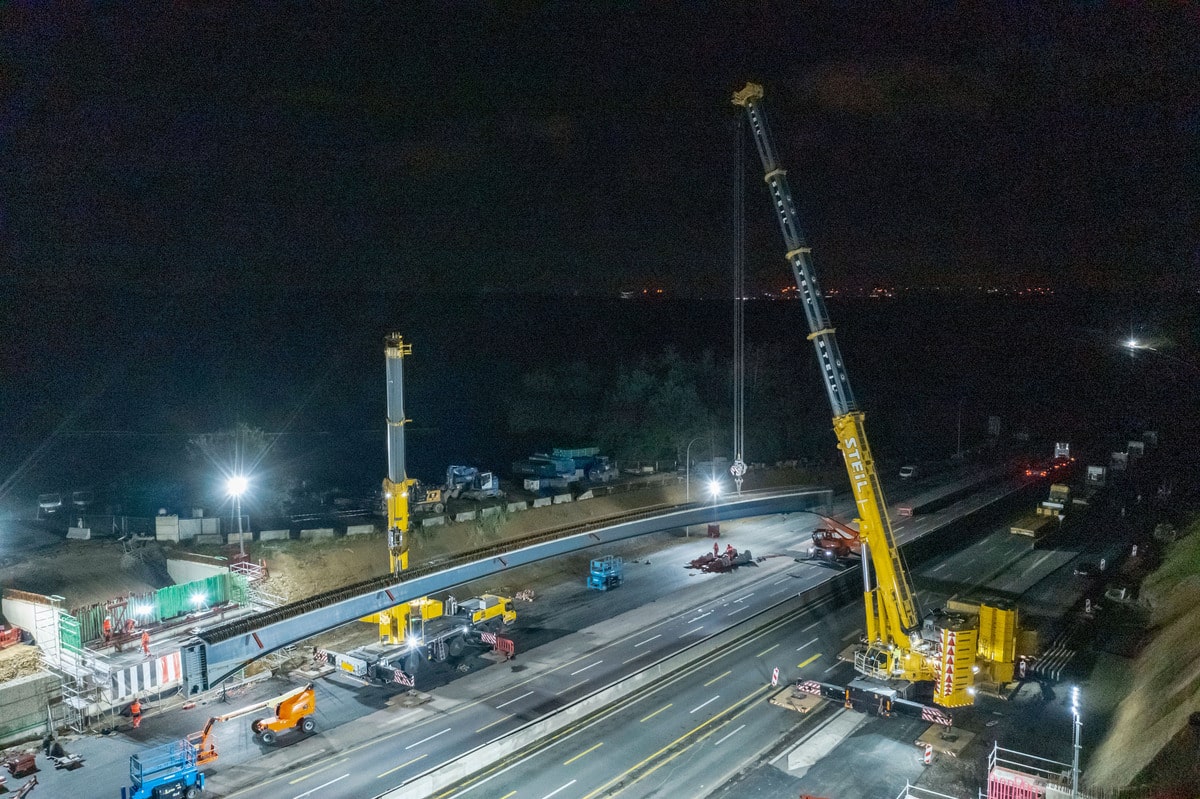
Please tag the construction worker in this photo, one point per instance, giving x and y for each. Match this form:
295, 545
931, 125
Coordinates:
135, 712
107, 628
145, 643
716, 549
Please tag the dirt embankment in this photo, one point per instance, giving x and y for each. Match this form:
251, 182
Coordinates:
1166, 686
300, 569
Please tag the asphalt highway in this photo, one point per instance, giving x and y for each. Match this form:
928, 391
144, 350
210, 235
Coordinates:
389, 747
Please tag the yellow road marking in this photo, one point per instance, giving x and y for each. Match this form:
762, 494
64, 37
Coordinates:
318, 771
765, 651
660, 710
581, 754
714, 679
621, 777
510, 793
810, 660
397, 768
665, 761
494, 723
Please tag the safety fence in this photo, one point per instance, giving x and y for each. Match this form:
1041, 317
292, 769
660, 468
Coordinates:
156, 607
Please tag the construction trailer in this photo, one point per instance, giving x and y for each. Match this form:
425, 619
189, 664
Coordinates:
170, 771
423, 629
606, 572
292, 710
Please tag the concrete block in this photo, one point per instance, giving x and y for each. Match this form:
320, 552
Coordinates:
79, 533
314, 533
209, 538
562, 499
433, 521
494, 510
24, 701
585, 495
466, 516
360, 529
542, 502
192, 568
166, 528
514, 507
274, 535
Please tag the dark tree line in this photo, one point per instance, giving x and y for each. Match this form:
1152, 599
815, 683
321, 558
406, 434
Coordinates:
650, 409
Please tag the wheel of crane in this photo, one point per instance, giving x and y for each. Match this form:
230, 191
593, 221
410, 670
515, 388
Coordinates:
307, 725
439, 508
456, 646
268, 737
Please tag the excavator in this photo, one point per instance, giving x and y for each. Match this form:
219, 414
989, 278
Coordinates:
292, 710
900, 649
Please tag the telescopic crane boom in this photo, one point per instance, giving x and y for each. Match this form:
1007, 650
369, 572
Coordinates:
895, 649
397, 484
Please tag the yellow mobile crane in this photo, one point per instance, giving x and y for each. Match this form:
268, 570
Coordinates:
898, 646
397, 484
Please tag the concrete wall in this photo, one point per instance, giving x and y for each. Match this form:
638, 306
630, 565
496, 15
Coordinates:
585, 495
166, 528
79, 533
185, 571
494, 510
433, 521
274, 535
23, 706
191, 528
19, 612
514, 507
360, 529
316, 532
542, 502
562, 499
465, 516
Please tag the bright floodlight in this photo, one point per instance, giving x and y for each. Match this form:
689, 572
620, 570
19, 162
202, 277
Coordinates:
237, 485
715, 487
199, 599
144, 610
1075, 698
1132, 344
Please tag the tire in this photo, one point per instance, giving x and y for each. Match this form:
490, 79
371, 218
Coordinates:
439, 508
268, 737
307, 725
192, 792
456, 646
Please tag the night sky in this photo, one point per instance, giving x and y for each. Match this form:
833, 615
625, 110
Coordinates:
585, 147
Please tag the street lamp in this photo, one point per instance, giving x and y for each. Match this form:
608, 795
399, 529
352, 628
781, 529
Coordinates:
237, 486
687, 480
1078, 729
714, 487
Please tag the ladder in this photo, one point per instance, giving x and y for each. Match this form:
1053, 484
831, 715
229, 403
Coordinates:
58, 638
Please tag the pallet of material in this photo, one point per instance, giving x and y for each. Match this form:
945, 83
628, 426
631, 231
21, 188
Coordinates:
1032, 526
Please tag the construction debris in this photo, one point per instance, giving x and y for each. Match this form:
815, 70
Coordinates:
19, 661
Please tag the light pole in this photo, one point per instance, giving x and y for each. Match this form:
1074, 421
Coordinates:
237, 486
1078, 729
687, 466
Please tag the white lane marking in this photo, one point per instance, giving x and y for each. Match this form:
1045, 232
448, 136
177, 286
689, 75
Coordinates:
940, 566
739, 610
834, 666
648, 640
635, 657
559, 789
810, 643
747, 596
784, 580
403, 716
585, 668
693, 630
518, 699
319, 787
569, 687
701, 616
431, 737
809, 627
709, 702
735, 732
